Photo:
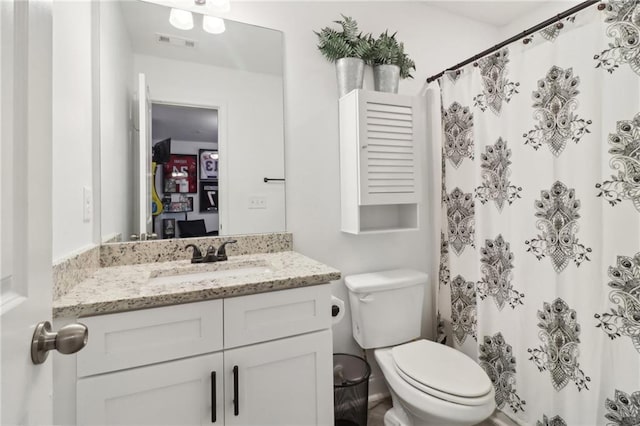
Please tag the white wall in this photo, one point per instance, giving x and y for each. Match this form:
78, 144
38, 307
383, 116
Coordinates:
250, 116
116, 143
436, 40
533, 17
73, 136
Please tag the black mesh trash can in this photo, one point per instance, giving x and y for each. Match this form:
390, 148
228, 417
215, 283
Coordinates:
350, 390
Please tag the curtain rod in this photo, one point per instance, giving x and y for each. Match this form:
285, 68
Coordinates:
520, 36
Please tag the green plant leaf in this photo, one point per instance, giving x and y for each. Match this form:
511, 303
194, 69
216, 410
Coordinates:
335, 44
349, 28
363, 48
386, 50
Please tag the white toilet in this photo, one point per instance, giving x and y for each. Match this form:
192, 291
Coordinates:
430, 383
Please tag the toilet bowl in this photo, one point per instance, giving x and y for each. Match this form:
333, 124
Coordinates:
430, 384
416, 402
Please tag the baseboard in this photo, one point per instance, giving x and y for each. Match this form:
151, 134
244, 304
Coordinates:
376, 398
377, 386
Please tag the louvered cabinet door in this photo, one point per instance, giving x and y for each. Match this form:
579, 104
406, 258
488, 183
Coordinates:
388, 157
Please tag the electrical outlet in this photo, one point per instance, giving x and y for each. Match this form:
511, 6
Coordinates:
257, 202
87, 204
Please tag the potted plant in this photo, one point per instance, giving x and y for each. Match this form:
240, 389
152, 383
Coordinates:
390, 62
347, 49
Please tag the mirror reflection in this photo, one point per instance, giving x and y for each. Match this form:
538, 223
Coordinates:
191, 125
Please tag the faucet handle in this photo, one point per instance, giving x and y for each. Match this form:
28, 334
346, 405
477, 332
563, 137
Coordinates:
222, 252
210, 255
197, 254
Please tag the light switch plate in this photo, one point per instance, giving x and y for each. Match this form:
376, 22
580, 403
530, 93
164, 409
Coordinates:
87, 204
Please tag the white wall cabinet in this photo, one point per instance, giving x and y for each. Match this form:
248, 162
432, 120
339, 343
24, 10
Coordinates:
381, 137
206, 363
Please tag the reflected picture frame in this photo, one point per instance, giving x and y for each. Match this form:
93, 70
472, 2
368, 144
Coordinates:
208, 197
208, 163
180, 174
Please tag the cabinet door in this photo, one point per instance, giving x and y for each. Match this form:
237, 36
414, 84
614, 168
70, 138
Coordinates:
149, 336
390, 159
286, 382
278, 314
172, 393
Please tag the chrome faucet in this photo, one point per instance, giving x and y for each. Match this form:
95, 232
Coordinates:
212, 255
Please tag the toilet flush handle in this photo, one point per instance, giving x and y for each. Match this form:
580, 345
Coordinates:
367, 298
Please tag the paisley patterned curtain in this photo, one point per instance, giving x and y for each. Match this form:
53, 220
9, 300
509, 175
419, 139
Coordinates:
540, 254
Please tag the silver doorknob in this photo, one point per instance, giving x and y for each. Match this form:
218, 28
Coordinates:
68, 340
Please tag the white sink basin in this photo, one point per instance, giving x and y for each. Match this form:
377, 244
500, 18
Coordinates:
189, 275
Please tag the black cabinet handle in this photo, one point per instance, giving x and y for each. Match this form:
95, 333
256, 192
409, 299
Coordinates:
236, 405
213, 397
267, 180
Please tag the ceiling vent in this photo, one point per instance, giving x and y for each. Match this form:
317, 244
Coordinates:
175, 41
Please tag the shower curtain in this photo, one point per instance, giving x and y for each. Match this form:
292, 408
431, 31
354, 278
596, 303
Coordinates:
540, 244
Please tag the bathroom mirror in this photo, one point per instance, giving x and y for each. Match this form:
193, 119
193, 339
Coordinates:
191, 125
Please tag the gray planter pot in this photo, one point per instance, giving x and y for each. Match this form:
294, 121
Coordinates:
386, 78
350, 73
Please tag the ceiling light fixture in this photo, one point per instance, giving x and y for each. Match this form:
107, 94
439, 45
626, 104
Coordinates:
181, 19
213, 25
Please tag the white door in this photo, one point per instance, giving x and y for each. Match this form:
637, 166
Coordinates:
186, 392
287, 382
142, 162
25, 207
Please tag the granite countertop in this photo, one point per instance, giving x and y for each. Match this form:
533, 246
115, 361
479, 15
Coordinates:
148, 285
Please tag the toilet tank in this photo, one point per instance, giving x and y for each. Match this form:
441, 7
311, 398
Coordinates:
386, 306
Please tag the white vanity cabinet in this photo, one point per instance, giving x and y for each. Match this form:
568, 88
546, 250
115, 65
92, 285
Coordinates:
263, 359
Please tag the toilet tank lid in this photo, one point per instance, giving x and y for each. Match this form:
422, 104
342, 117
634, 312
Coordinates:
385, 280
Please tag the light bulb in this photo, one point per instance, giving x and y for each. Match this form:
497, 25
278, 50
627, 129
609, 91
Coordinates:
213, 25
181, 19
220, 5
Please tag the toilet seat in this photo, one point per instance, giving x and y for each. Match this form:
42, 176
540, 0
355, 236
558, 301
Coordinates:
442, 372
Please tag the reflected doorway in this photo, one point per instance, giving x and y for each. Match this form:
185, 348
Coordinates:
185, 171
